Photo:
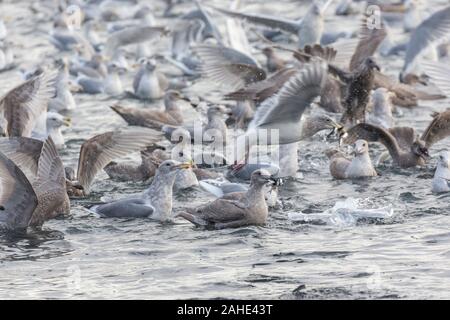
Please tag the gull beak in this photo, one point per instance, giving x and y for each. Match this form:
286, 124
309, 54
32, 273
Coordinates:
359, 151
336, 128
67, 121
183, 166
425, 154
276, 182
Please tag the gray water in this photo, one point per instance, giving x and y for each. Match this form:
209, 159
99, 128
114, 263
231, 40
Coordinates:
405, 256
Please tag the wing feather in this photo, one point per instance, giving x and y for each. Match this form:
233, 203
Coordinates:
295, 96
25, 103
98, 151
17, 197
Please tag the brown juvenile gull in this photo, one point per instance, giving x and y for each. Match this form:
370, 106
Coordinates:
155, 203
26, 203
215, 129
404, 147
151, 118
135, 173
23, 105
101, 149
261, 90
274, 63
250, 209
227, 67
359, 85
359, 167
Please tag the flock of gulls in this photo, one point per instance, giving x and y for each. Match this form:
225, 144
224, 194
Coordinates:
263, 73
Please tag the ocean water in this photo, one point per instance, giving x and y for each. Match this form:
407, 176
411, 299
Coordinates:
384, 237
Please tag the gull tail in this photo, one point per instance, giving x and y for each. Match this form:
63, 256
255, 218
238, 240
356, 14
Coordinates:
193, 219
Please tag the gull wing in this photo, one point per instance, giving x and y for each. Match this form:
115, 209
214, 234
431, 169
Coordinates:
25, 103
17, 198
98, 151
294, 97
430, 31
272, 22
438, 129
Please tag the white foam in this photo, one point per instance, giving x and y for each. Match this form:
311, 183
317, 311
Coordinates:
344, 214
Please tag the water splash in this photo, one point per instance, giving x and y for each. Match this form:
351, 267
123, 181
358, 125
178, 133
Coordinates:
345, 214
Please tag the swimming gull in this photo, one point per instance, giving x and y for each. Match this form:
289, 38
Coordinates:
402, 143
149, 83
359, 167
250, 209
154, 118
101, 149
155, 203
441, 179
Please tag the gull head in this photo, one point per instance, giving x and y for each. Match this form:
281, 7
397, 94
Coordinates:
420, 149
55, 120
361, 147
114, 68
444, 159
169, 168
173, 95
262, 177
372, 64
324, 122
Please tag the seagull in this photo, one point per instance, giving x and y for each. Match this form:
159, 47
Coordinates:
404, 147
63, 99
54, 123
359, 167
26, 103
132, 35
135, 173
28, 203
155, 203
250, 209
149, 83
100, 150
381, 114
359, 85
283, 112
151, 118
111, 84
441, 179
228, 68
430, 32
309, 29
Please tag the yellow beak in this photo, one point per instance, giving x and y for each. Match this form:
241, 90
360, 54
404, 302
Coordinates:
67, 121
